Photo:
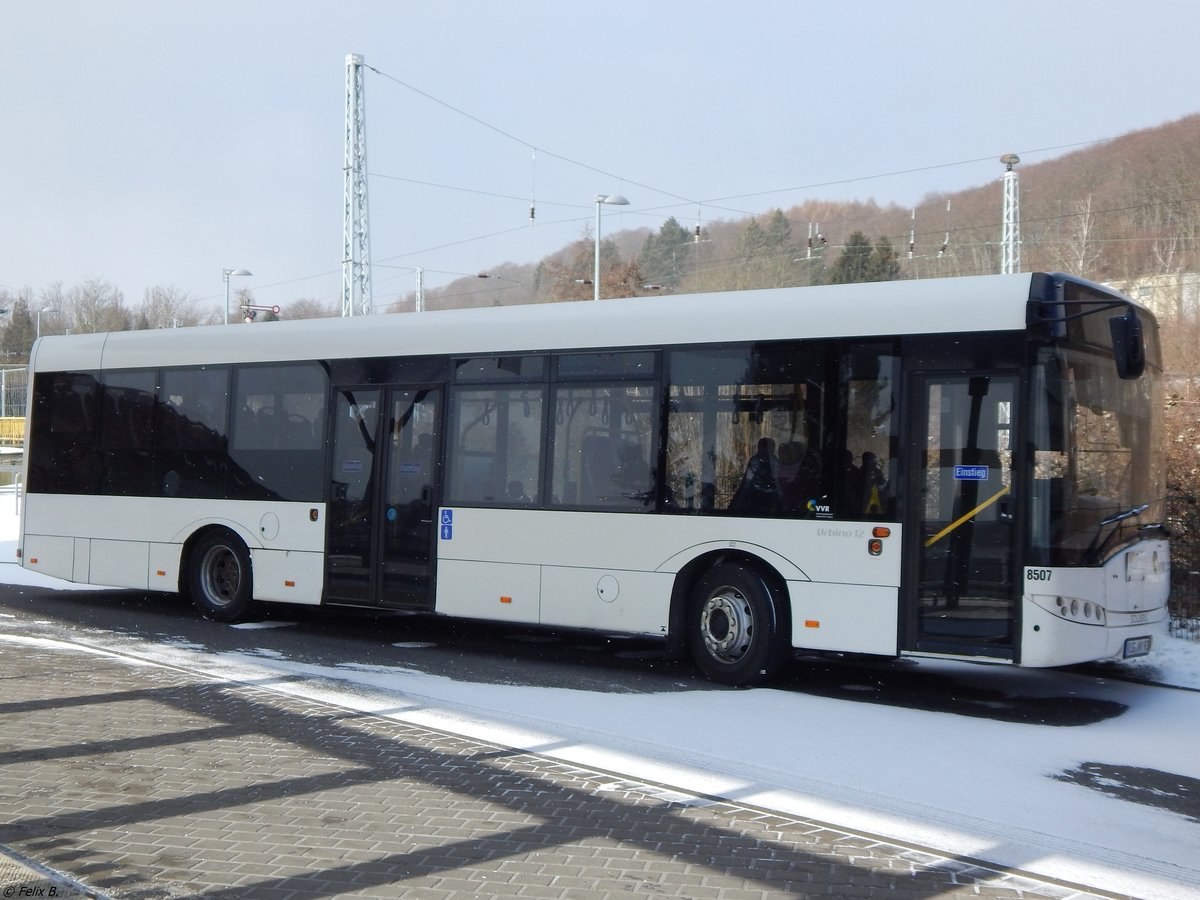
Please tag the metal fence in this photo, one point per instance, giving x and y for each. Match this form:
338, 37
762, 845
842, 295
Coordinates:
13, 392
1187, 629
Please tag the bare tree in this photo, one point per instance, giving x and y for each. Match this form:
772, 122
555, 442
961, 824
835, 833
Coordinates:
1171, 222
306, 308
1081, 251
568, 274
1182, 431
94, 306
166, 306
52, 305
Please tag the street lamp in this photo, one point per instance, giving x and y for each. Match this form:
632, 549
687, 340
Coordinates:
227, 273
611, 200
39, 318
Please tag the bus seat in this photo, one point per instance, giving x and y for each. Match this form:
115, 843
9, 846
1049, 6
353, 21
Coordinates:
598, 467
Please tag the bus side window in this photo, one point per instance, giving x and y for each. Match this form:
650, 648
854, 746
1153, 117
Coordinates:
613, 472
126, 437
865, 483
193, 450
495, 439
725, 402
276, 449
603, 439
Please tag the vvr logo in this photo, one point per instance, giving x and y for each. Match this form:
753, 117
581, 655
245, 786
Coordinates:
818, 508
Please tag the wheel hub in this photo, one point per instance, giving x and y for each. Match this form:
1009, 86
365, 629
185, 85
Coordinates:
727, 624
222, 575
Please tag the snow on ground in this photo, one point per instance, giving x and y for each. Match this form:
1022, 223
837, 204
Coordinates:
989, 788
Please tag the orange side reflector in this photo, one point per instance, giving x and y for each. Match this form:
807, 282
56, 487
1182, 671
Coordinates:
812, 623
506, 599
881, 531
33, 560
161, 574
289, 584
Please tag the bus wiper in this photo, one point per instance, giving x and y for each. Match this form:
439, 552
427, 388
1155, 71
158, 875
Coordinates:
1092, 554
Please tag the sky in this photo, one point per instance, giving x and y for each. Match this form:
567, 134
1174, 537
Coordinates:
157, 144
983, 784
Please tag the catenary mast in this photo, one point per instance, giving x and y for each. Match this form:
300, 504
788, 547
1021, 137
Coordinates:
1010, 236
356, 240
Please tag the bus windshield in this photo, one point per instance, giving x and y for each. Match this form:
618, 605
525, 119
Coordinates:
1098, 471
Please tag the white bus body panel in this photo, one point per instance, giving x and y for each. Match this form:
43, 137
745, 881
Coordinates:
119, 563
931, 306
118, 541
287, 576
52, 555
850, 618
615, 571
1060, 628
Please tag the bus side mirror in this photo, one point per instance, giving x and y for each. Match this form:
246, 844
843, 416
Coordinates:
1129, 348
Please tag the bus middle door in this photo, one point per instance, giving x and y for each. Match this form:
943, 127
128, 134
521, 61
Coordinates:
384, 485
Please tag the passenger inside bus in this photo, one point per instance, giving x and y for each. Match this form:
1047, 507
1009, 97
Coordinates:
807, 482
791, 456
759, 492
874, 485
850, 484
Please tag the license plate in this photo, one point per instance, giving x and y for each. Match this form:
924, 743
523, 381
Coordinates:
1137, 647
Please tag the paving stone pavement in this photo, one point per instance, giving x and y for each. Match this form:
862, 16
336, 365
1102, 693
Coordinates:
146, 782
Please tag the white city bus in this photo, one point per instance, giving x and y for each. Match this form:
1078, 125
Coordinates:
964, 468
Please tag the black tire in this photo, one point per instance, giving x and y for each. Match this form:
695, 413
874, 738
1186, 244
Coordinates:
219, 578
736, 626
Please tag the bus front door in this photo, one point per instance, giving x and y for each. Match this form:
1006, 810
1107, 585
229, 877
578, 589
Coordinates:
384, 484
964, 600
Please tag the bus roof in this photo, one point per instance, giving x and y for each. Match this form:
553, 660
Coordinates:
944, 305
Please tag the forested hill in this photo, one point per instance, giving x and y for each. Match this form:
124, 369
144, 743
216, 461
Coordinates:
1123, 209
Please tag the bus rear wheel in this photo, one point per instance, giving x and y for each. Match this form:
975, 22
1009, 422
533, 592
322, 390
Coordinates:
219, 578
735, 626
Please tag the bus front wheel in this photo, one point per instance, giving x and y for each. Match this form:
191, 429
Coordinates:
735, 626
219, 577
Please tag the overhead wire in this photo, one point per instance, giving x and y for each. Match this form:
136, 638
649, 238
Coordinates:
524, 143
720, 199
713, 202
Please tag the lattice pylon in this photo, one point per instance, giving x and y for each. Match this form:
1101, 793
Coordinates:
356, 237
1010, 235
